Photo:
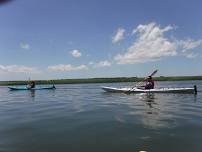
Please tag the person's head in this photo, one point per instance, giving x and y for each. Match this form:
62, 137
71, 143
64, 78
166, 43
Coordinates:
149, 78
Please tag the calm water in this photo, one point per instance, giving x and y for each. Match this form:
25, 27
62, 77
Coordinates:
83, 118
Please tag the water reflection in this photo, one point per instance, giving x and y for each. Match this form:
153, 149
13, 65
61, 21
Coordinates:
32, 93
149, 99
154, 114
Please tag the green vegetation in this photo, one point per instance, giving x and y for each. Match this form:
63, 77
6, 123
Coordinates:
101, 80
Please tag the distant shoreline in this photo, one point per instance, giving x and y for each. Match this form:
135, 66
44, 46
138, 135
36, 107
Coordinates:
101, 80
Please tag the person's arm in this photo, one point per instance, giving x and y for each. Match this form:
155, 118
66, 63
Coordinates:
28, 86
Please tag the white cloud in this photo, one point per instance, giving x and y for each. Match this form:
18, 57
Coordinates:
25, 46
70, 42
75, 53
150, 45
91, 63
18, 69
187, 47
152, 29
118, 36
67, 67
190, 55
189, 44
103, 64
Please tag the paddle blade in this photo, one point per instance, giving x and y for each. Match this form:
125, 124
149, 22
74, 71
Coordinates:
154, 73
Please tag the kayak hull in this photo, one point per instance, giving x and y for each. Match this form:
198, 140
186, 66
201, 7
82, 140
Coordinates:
158, 90
36, 88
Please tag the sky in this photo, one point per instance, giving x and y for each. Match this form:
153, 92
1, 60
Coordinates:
59, 39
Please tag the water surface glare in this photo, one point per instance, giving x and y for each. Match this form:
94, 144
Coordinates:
82, 117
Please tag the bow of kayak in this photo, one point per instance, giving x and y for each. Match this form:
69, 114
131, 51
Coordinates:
36, 88
192, 90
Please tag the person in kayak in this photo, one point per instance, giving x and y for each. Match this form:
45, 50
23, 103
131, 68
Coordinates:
149, 83
31, 85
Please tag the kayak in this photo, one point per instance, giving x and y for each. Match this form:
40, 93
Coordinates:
36, 88
157, 90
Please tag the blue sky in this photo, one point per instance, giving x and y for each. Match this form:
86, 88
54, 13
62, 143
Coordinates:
53, 39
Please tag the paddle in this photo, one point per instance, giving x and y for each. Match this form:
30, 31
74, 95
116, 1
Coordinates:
153, 73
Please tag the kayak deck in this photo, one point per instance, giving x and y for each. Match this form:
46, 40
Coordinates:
36, 88
158, 90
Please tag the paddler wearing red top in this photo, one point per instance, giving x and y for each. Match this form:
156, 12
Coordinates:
149, 83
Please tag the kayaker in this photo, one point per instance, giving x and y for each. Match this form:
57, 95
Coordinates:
149, 83
31, 85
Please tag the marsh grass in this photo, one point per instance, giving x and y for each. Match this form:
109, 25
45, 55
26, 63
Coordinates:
101, 80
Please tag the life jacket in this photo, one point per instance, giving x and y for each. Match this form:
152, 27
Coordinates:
149, 84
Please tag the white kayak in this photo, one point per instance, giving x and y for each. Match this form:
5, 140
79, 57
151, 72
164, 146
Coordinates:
157, 90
